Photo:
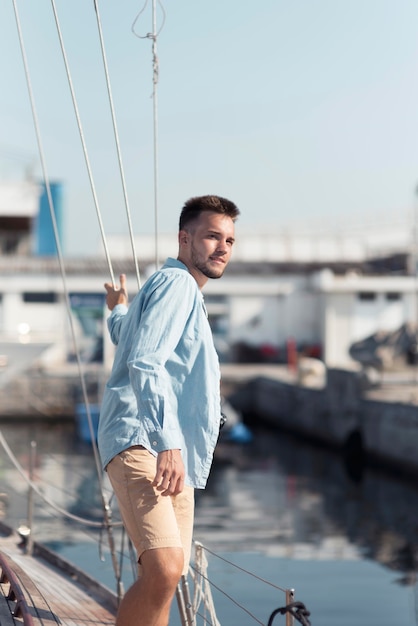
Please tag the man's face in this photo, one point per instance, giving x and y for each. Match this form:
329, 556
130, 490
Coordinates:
207, 245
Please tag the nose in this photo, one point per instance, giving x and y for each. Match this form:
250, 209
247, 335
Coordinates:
222, 247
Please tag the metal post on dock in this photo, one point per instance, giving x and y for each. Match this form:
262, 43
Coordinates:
290, 597
26, 531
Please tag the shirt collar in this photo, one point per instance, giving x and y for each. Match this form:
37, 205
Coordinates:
170, 262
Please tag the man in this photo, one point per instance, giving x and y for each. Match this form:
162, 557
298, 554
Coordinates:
160, 414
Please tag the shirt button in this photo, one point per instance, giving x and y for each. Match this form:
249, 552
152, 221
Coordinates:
154, 443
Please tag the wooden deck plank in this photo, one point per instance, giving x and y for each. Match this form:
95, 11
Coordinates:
67, 599
6, 607
57, 596
37, 604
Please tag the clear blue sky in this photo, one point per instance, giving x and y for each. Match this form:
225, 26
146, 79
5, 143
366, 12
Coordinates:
298, 110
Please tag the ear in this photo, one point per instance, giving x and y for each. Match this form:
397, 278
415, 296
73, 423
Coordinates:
183, 237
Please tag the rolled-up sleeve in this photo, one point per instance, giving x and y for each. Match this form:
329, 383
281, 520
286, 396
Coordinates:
162, 325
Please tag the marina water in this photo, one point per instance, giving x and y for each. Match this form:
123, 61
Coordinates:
280, 509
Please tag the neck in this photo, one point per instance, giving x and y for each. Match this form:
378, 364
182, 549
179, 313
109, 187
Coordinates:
200, 278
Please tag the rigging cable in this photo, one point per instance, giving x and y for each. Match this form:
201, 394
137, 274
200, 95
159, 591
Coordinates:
245, 571
63, 512
106, 508
116, 135
199, 575
36, 489
155, 65
226, 595
83, 143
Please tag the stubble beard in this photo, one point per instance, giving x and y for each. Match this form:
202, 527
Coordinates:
205, 269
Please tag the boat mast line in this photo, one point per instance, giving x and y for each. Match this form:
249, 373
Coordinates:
117, 143
55, 228
54, 224
155, 77
83, 142
106, 508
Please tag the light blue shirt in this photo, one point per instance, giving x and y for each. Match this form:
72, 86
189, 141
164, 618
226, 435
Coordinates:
164, 389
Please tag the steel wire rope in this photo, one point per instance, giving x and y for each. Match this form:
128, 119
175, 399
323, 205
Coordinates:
155, 64
50, 201
116, 135
75, 472
63, 513
267, 582
106, 508
204, 618
35, 488
223, 592
86, 531
83, 142
70, 494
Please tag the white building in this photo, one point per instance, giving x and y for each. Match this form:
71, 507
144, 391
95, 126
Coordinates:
317, 290
254, 310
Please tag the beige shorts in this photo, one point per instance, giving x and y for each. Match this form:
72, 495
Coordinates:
151, 520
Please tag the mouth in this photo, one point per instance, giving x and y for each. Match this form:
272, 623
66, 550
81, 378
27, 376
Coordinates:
217, 259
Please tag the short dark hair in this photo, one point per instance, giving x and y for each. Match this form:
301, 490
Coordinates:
195, 206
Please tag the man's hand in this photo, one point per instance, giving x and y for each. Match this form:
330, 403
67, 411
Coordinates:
169, 478
116, 295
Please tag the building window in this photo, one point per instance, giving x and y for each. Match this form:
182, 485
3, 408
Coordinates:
40, 297
393, 295
366, 296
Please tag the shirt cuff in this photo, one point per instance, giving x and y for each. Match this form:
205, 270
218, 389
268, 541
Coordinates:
120, 309
161, 441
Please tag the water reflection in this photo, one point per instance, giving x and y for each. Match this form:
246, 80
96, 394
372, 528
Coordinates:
287, 498
276, 496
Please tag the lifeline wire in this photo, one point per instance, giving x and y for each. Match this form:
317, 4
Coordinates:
230, 598
115, 131
245, 571
35, 488
106, 508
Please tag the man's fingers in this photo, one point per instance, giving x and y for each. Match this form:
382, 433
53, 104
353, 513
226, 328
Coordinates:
111, 287
158, 477
169, 477
170, 487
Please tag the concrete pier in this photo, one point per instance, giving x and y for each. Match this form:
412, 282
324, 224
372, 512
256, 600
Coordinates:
379, 423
